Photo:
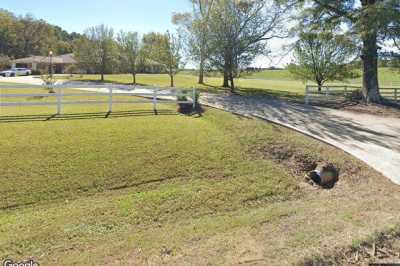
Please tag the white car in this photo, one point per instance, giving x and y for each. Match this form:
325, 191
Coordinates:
16, 72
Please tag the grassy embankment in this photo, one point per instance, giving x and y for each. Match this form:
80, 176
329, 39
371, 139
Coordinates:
139, 188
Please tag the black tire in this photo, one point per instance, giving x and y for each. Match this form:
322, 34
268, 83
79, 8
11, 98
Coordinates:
12, 75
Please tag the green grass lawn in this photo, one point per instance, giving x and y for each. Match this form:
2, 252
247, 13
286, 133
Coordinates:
139, 188
387, 76
279, 74
272, 82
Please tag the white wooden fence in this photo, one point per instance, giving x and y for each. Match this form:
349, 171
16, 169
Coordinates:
148, 94
391, 93
335, 92
327, 92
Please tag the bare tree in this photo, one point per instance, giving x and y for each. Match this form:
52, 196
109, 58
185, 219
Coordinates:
129, 45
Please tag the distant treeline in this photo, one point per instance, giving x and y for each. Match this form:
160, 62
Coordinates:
22, 36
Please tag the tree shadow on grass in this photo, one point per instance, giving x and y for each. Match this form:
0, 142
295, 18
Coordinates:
104, 82
84, 116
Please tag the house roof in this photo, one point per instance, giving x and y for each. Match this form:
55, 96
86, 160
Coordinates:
61, 59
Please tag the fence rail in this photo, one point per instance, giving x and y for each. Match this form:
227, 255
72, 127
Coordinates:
149, 94
342, 91
391, 93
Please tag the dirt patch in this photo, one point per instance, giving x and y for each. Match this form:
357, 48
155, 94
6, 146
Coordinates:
296, 162
247, 251
299, 164
381, 249
301, 158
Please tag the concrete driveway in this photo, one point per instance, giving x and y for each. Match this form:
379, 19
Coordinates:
32, 80
372, 139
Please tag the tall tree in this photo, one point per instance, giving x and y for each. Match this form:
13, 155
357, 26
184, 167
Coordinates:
196, 27
25, 36
129, 45
8, 33
103, 54
239, 32
86, 55
4, 61
366, 20
165, 49
323, 57
35, 37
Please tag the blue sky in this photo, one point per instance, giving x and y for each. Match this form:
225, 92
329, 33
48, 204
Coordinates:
135, 15
77, 15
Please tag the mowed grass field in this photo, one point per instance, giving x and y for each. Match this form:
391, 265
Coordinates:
278, 83
137, 188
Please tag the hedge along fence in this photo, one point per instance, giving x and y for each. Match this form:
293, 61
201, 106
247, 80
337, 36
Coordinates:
342, 92
149, 94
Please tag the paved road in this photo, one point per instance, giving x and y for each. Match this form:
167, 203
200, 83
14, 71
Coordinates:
374, 140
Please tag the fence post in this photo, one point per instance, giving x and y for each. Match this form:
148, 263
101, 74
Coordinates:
194, 99
59, 99
155, 101
307, 99
345, 91
326, 91
110, 99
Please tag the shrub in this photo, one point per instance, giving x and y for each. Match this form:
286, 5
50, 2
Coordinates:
5, 61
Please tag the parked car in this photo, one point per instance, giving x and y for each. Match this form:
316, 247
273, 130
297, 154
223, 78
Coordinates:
16, 72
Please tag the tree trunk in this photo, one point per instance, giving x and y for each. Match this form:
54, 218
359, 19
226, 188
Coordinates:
102, 70
201, 72
369, 56
370, 69
103, 65
319, 85
134, 72
172, 81
232, 82
226, 79
134, 78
